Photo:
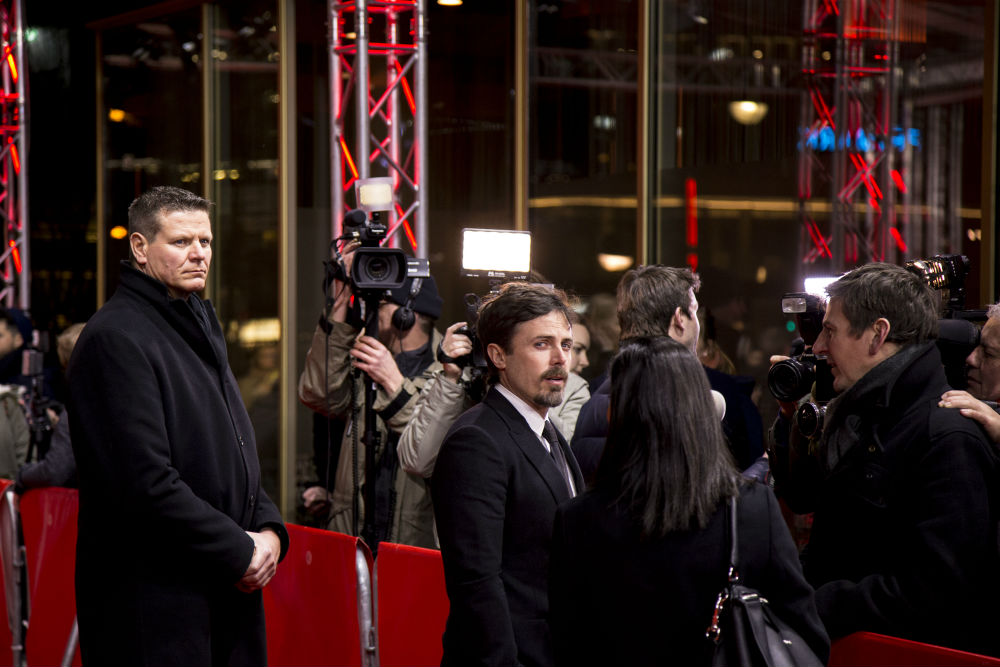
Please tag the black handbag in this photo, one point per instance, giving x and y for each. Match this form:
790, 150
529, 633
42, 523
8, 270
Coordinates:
745, 632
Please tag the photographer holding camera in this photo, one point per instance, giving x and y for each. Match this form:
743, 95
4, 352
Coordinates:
983, 376
903, 491
400, 361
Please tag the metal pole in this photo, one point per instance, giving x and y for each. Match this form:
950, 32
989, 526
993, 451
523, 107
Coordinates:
361, 92
336, 122
24, 281
395, 126
421, 130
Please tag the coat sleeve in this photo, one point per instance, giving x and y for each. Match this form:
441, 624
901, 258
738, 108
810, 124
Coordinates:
946, 537
789, 594
325, 383
469, 490
122, 450
58, 468
565, 416
440, 404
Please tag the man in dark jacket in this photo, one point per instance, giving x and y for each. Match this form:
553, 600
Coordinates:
176, 537
904, 491
502, 470
656, 300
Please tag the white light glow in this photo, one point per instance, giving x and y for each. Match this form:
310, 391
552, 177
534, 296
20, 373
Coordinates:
817, 286
496, 250
747, 112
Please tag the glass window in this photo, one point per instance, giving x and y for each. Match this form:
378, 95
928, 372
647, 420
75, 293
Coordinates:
855, 139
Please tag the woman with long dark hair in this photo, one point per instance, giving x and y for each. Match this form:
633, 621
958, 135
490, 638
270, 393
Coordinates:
638, 560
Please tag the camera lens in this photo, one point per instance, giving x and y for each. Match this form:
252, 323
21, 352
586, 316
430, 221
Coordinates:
790, 380
376, 268
809, 419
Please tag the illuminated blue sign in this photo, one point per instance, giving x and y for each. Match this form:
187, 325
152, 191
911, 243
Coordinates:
825, 140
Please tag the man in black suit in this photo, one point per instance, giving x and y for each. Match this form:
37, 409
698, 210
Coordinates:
502, 470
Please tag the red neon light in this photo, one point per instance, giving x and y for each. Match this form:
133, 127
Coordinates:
347, 156
409, 234
14, 156
13, 66
818, 240
406, 90
691, 211
897, 178
15, 255
692, 261
898, 239
874, 204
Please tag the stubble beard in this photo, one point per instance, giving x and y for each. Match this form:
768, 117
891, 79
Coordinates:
552, 398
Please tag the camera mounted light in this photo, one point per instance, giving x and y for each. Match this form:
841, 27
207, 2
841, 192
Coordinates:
497, 254
373, 194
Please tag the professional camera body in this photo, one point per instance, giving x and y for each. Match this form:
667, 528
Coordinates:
958, 334
804, 374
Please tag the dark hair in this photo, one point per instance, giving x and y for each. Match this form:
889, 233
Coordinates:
886, 290
666, 459
145, 211
8, 320
649, 295
513, 304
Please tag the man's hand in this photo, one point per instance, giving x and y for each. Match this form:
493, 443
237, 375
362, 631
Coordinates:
975, 409
316, 500
341, 290
374, 358
264, 563
455, 345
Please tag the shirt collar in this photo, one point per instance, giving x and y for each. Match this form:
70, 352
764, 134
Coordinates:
535, 421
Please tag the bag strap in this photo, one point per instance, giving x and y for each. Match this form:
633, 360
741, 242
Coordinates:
713, 631
734, 543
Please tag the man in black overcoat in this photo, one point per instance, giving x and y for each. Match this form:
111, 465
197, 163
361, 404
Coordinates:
904, 491
176, 536
501, 472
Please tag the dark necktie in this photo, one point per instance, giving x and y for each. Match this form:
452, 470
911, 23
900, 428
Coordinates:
549, 432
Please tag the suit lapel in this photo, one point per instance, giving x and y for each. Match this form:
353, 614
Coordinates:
525, 440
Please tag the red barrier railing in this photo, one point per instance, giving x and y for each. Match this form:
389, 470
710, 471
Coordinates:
8, 539
408, 580
319, 604
869, 649
312, 606
48, 519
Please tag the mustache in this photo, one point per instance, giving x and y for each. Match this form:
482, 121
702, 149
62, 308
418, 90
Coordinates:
555, 374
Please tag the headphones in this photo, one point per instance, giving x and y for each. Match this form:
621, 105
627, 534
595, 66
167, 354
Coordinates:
404, 318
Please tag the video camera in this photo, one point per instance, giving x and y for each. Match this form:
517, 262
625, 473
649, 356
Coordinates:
374, 268
792, 379
958, 334
36, 403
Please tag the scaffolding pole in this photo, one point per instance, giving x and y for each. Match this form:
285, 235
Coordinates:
14, 257
376, 49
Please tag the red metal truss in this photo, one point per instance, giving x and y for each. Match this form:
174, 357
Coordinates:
14, 261
850, 49
379, 125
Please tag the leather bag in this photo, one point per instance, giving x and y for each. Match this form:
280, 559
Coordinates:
745, 631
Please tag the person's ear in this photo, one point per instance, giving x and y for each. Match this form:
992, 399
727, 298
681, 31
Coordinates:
497, 356
880, 331
677, 322
140, 246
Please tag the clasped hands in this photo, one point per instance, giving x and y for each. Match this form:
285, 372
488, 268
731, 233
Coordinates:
263, 564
